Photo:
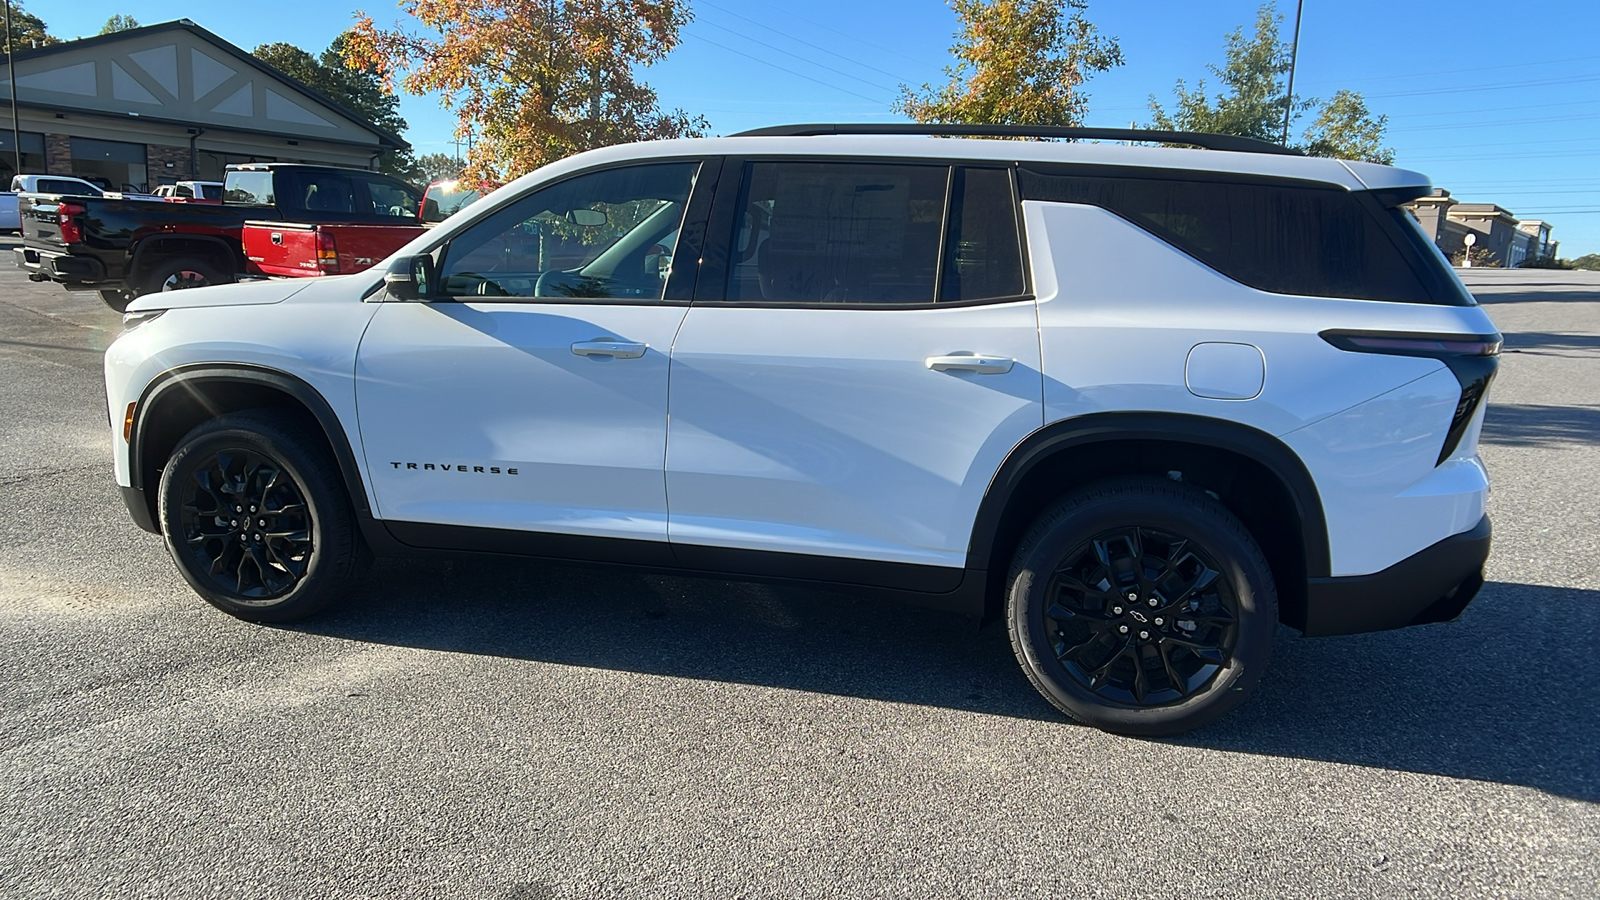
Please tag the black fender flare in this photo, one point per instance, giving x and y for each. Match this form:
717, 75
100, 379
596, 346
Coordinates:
187, 377
1221, 434
141, 249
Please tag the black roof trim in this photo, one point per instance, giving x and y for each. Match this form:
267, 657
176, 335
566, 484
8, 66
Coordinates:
1194, 138
394, 140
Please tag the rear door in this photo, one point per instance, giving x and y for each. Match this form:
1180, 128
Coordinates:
854, 374
530, 394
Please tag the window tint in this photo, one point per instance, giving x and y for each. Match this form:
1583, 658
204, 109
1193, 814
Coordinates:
390, 199
607, 234
249, 188
72, 188
208, 191
838, 233
184, 191
324, 192
1286, 239
982, 255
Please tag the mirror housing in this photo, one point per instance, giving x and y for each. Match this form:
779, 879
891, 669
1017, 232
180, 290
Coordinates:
410, 278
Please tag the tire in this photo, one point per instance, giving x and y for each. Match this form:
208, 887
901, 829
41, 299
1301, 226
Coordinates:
181, 273
117, 300
1127, 666
309, 550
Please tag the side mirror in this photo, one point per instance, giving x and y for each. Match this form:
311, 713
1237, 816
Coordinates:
410, 278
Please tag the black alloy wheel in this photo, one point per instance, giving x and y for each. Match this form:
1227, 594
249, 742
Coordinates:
1140, 616
181, 274
1141, 606
255, 514
246, 526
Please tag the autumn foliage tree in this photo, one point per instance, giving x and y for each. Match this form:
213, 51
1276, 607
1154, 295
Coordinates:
532, 80
1019, 62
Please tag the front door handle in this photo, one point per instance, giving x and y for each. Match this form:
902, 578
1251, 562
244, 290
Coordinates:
971, 362
608, 347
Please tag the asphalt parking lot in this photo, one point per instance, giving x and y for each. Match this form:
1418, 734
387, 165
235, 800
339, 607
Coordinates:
502, 729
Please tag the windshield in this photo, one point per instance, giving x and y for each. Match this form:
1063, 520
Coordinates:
444, 199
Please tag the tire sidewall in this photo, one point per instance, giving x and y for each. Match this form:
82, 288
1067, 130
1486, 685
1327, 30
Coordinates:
196, 449
1239, 562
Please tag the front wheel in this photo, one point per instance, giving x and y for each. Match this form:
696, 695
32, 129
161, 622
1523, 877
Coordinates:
181, 274
256, 516
1141, 606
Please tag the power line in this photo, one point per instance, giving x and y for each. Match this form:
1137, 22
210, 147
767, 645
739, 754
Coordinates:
774, 65
803, 41
814, 23
1538, 82
752, 40
1473, 71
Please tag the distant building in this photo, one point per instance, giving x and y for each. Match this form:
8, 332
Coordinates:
153, 105
1508, 241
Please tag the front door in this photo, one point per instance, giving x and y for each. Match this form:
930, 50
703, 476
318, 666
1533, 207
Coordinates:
853, 382
530, 394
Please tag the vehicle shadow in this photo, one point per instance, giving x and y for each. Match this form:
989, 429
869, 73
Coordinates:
1533, 425
1495, 296
1545, 341
1504, 694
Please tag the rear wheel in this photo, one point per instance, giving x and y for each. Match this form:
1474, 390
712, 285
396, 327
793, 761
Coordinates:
182, 273
1141, 606
257, 518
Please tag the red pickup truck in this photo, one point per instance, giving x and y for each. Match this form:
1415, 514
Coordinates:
299, 249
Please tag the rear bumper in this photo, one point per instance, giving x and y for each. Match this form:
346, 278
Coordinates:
60, 268
1434, 585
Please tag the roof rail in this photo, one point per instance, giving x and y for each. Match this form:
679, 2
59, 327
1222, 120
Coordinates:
1194, 138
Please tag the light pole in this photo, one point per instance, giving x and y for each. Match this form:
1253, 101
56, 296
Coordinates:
11, 70
1294, 57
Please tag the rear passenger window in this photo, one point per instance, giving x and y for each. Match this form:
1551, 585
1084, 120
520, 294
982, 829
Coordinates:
846, 233
1286, 239
982, 255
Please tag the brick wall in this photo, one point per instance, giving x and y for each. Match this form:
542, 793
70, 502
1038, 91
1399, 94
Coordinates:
156, 158
57, 154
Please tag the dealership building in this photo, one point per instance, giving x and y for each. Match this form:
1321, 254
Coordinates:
169, 102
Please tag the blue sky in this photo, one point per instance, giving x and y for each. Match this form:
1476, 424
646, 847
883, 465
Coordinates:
1498, 102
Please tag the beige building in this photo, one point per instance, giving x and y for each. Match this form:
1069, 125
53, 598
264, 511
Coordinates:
166, 102
1508, 241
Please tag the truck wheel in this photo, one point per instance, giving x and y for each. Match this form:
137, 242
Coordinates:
181, 273
1141, 606
257, 518
117, 300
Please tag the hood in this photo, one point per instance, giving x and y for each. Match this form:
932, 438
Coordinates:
250, 293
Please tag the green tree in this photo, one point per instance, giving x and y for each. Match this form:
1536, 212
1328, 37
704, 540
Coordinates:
119, 22
1018, 62
1254, 96
439, 167
28, 30
360, 90
534, 81
1589, 261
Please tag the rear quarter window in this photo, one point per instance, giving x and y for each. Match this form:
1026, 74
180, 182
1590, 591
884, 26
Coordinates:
249, 189
1286, 238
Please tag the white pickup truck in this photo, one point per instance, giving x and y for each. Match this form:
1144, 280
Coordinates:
11, 219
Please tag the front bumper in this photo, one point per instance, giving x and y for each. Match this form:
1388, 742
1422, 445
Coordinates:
1433, 585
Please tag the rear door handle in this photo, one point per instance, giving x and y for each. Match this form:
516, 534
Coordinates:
611, 348
971, 362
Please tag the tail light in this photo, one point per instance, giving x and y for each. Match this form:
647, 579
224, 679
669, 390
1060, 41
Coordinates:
68, 216
1472, 359
327, 253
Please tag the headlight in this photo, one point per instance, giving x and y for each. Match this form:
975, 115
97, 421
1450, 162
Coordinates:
132, 319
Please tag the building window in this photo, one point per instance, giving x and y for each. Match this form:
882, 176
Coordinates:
120, 165
32, 155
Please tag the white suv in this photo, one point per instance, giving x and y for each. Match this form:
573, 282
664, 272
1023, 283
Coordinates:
1143, 403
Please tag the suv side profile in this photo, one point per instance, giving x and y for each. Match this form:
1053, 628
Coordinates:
1142, 403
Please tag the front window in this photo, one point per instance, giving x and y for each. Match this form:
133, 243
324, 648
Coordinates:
607, 234
444, 199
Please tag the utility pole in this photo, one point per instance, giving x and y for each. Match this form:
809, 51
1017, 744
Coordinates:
1294, 57
11, 71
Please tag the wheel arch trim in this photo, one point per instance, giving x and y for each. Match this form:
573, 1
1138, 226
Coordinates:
1067, 434
183, 378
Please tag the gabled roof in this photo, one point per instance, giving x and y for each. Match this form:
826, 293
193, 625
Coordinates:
101, 45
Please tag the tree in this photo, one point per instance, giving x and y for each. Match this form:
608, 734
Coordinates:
28, 30
1255, 96
438, 167
119, 22
1019, 62
360, 90
1589, 261
534, 80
